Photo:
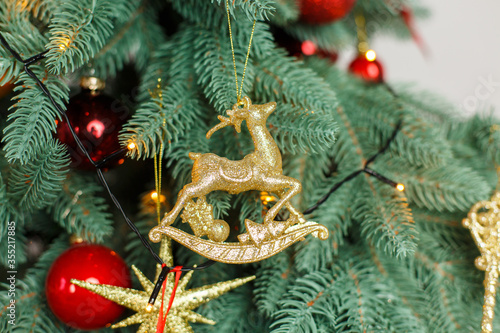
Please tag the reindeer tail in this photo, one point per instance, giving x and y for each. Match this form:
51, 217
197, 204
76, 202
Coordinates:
195, 156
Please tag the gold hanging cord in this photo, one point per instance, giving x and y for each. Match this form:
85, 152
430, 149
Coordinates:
158, 159
238, 90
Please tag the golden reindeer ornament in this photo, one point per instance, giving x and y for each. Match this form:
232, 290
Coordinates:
484, 224
261, 170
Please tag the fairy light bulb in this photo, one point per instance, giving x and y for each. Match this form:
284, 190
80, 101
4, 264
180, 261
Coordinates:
266, 198
64, 44
370, 55
154, 195
400, 187
131, 146
149, 307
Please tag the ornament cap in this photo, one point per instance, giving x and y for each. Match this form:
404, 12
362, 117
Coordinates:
92, 83
75, 239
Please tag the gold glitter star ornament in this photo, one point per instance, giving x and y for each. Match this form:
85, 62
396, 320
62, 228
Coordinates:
261, 170
185, 301
181, 312
483, 221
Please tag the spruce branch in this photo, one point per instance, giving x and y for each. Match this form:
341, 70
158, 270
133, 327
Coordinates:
309, 297
140, 32
80, 210
7, 211
451, 188
162, 120
31, 313
273, 278
213, 13
36, 184
77, 32
193, 141
336, 216
21, 34
287, 11
301, 130
33, 121
385, 221
212, 58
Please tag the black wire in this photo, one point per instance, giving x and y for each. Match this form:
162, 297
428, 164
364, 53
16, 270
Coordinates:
98, 165
163, 274
110, 157
333, 189
156, 290
390, 90
357, 172
12, 51
380, 177
389, 141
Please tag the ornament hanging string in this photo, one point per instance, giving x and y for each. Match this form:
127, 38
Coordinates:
157, 160
239, 90
98, 164
162, 319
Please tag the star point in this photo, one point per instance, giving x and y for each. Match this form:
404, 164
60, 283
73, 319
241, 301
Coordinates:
185, 301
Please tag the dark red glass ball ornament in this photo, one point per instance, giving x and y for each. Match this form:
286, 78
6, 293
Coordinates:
324, 11
97, 120
78, 307
370, 71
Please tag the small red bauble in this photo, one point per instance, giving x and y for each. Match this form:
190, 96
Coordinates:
324, 11
97, 120
78, 307
370, 71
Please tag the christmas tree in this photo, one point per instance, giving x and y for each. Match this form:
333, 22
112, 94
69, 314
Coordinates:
395, 261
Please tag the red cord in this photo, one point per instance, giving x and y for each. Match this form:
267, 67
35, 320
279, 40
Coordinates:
162, 319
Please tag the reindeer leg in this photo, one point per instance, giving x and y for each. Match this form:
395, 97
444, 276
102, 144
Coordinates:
293, 211
280, 184
188, 192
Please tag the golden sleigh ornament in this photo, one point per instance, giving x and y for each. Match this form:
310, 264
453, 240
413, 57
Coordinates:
260, 170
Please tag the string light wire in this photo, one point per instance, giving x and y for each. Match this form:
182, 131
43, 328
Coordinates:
365, 169
99, 164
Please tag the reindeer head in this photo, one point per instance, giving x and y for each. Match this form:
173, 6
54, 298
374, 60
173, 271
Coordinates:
244, 110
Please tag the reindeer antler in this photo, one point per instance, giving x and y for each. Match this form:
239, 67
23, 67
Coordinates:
236, 117
223, 123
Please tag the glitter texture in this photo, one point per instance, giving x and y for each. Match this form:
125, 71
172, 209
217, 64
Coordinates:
483, 221
261, 170
184, 303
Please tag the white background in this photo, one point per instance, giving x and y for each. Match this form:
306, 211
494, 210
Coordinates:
464, 42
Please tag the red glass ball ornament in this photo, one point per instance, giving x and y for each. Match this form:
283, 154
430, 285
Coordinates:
370, 71
324, 11
97, 120
78, 307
